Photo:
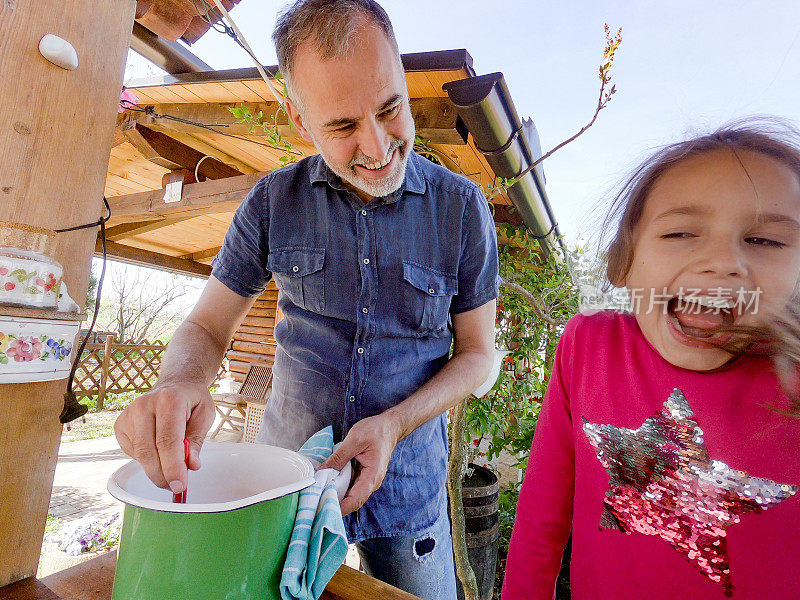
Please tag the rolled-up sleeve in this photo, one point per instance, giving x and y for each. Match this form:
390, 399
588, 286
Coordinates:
241, 263
478, 278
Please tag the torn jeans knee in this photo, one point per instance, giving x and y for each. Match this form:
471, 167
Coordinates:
423, 547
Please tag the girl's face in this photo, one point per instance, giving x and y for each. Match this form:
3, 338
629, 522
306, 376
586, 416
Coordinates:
718, 244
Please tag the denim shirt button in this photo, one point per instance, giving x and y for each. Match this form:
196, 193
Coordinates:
365, 310
363, 212
360, 351
352, 398
431, 291
295, 268
366, 261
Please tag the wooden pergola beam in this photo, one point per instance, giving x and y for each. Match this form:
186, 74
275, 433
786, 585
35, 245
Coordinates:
199, 26
208, 197
206, 148
505, 213
166, 18
173, 19
147, 258
203, 254
167, 152
435, 119
119, 138
145, 211
212, 114
127, 230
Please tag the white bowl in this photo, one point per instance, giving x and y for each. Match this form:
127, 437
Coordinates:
231, 476
35, 349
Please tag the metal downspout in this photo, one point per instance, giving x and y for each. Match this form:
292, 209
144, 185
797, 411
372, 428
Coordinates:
170, 56
484, 104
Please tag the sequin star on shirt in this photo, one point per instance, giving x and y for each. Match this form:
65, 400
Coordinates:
663, 482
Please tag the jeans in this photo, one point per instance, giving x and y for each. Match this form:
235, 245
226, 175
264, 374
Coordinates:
421, 563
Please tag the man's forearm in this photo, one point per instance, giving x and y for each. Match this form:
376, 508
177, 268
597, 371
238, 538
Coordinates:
193, 356
463, 373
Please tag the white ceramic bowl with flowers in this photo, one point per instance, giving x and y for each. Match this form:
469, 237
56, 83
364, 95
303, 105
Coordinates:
35, 349
28, 278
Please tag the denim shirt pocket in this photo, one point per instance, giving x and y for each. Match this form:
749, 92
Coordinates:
300, 275
428, 293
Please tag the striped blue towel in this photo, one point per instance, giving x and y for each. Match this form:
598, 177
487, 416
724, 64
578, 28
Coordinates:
319, 542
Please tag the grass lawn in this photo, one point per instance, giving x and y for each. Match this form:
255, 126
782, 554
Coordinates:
97, 425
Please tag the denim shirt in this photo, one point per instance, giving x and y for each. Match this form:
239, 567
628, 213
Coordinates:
366, 291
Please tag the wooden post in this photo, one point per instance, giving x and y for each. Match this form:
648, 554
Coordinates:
56, 131
107, 350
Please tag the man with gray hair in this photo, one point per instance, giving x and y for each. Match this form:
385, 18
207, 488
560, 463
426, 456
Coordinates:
382, 260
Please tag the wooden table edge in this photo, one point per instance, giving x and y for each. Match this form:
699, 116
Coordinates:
94, 578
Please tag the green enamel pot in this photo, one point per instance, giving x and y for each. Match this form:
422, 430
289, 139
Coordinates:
228, 542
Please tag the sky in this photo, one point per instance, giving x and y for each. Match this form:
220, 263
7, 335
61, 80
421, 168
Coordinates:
684, 67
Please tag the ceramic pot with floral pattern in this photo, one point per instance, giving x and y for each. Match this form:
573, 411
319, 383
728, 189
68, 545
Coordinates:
35, 349
29, 277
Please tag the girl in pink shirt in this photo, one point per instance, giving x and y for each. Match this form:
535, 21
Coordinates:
666, 443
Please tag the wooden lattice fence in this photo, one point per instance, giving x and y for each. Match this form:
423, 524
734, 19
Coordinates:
114, 368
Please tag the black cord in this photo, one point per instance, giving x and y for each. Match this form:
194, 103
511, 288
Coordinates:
100, 222
229, 31
150, 111
206, 16
72, 408
546, 235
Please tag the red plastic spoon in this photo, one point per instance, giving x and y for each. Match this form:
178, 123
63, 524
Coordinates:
181, 498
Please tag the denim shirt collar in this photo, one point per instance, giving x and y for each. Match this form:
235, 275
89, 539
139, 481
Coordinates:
414, 181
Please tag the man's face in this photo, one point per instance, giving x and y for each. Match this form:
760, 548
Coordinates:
355, 111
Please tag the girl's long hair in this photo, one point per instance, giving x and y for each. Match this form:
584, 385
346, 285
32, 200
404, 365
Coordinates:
779, 337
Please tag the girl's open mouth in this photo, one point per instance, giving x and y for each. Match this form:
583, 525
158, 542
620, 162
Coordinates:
702, 318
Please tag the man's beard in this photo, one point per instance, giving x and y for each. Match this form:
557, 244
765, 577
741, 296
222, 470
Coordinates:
375, 188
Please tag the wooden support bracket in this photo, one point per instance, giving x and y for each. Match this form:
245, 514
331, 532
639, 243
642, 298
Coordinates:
203, 254
128, 230
208, 197
166, 18
147, 258
169, 153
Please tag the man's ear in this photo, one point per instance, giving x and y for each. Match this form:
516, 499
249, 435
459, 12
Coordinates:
297, 119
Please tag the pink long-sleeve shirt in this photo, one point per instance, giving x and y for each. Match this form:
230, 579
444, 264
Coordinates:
607, 373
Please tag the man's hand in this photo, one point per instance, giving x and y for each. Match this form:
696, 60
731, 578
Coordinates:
152, 429
371, 442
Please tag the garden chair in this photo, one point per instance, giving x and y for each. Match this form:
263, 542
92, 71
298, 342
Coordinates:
232, 408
